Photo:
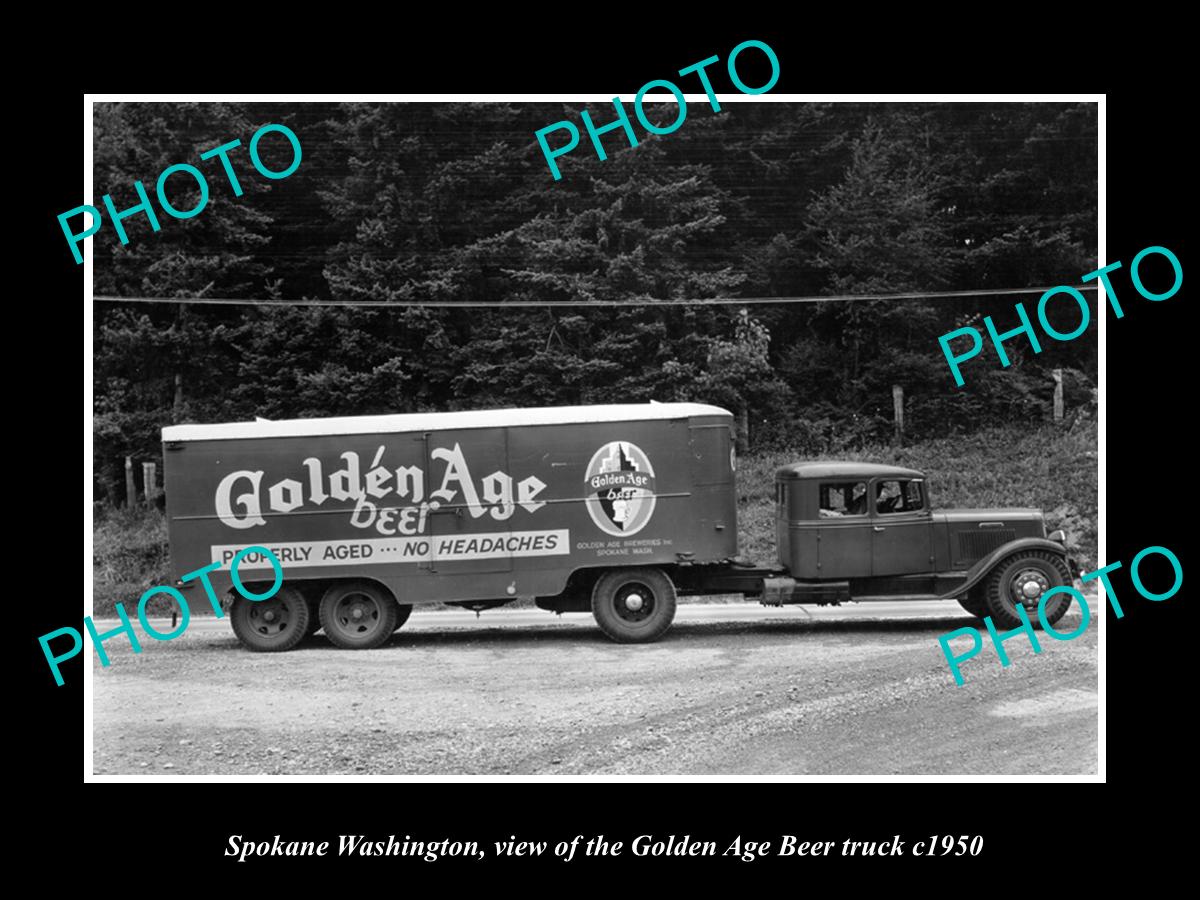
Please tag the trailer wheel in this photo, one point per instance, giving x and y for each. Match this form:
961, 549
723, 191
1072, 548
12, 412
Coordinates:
1023, 578
634, 606
273, 625
358, 615
403, 611
314, 620
314, 612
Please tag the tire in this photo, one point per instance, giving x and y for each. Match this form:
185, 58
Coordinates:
403, 611
358, 615
634, 606
314, 620
271, 626
1004, 584
974, 603
314, 612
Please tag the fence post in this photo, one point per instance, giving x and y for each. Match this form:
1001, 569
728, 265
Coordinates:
149, 482
130, 488
898, 412
1058, 395
743, 431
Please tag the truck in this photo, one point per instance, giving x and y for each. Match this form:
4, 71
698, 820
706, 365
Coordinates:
615, 509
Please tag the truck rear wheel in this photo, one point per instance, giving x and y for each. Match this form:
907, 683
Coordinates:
634, 606
1023, 578
358, 615
403, 611
272, 625
312, 597
314, 620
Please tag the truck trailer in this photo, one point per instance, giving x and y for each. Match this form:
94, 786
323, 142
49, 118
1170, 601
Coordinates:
614, 509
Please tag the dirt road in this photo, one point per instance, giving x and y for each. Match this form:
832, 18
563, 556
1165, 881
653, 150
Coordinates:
732, 689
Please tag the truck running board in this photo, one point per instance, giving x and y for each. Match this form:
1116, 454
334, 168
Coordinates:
782, 591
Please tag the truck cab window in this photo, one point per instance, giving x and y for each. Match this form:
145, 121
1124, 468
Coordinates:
843, 498
898, 497
912, 496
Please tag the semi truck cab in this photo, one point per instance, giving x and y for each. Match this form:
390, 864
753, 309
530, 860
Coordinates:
867, 531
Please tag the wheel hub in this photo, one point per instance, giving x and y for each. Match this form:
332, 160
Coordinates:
355, 613
269, 617
634, 602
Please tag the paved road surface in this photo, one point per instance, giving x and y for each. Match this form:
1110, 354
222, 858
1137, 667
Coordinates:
732, 689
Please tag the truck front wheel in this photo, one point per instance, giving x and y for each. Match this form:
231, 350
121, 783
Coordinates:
272, 625
1023, 579
634, 606
358, 615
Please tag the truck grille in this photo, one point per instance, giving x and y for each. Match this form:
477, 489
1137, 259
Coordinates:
974, 544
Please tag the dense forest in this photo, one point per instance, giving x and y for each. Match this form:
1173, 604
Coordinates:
408, 203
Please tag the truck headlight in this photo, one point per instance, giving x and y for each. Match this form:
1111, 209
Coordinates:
1059, 536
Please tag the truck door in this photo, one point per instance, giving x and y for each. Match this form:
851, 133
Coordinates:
843, 530
901, 528
467, 477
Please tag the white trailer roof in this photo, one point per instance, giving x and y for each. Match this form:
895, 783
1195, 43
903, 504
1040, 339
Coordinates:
441, 421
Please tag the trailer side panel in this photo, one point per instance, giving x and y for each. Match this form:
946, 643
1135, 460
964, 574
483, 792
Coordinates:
456, 514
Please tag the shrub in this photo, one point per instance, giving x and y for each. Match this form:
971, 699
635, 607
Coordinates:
129, 556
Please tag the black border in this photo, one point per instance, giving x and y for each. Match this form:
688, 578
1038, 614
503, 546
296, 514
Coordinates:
1024, 825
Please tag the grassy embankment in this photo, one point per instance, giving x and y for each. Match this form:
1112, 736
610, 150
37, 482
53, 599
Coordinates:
1047, 467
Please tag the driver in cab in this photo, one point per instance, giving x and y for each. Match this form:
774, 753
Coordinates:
887, 497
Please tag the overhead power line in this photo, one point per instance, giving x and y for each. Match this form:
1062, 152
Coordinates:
539, 304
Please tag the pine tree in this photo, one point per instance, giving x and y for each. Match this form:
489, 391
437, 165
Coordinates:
157, 364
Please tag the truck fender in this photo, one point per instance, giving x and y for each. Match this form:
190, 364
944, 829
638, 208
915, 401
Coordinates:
980, 570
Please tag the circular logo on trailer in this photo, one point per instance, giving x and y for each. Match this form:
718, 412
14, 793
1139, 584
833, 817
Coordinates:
619, 488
